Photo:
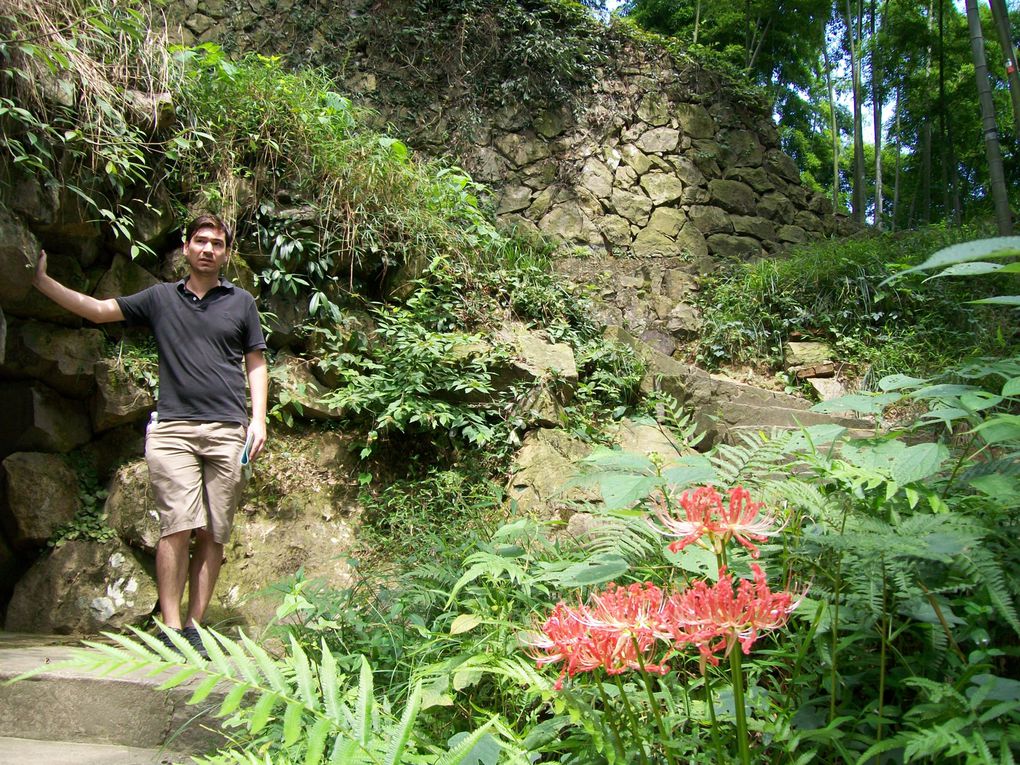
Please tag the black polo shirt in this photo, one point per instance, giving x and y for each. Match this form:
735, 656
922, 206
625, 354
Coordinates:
201, 345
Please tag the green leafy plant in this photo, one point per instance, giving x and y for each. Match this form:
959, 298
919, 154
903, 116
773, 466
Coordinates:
89, 523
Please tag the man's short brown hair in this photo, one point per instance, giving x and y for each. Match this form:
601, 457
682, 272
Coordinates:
208, 220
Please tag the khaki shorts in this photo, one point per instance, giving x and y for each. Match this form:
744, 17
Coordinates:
196, 475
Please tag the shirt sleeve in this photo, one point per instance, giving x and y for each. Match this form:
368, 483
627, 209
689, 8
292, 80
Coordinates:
254, 340
137, 308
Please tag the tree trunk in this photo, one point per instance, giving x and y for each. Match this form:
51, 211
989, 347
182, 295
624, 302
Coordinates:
833, 123
876, 103
896, 175
697, 20
857, 198
944, 148
996, 174
1001, 17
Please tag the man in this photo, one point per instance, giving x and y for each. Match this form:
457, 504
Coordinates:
204, 326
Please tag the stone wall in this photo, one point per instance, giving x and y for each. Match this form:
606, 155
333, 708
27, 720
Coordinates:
653, 159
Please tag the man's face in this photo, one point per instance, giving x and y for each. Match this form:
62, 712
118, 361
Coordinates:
206, 251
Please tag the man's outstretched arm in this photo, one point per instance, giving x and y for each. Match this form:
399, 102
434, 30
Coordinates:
86, 306
258, 385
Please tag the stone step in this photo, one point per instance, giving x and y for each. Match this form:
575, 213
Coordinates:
27, 751
71, 705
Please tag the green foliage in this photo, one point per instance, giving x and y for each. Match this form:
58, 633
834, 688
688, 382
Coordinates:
837, 292
89, 523
538, 53
67, 81
295, 708
453, 500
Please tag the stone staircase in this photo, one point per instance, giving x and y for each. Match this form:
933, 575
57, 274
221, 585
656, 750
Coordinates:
69, 717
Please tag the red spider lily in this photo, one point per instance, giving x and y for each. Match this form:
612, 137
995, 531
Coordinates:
706, 516
715, 618
618, 630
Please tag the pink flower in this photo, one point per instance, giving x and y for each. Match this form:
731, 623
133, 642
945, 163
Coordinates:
715, 618
705, 516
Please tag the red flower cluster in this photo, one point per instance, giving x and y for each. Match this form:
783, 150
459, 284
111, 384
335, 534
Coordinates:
614, 627
705, 516
608, 631
715, 618
623, 628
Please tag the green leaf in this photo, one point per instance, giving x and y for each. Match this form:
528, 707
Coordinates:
303, 675
690, 470
400, 737
366, 699
1011, 387
315, 743
898, 382
233, 700
858, 402
464, 623
695, 560
975, 268
292, 723
621, 491
997, 247
916, 463
204, 689
262, 710
589, 572
1000, 300
328, 684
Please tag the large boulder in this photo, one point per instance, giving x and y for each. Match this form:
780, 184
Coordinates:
131, 509
295, 387
545, 478
538, 360
63, 358
40, 419
299, 512
119, 398
41, 496
19, 251
124, 277
82, 587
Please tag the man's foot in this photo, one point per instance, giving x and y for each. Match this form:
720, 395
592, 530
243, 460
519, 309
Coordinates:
195, 640
164, 638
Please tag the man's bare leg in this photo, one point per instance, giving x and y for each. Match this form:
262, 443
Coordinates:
205, 570
171, 574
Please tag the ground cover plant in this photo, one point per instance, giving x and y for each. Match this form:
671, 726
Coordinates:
832, 291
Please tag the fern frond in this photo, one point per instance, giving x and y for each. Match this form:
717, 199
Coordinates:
984, 569
400, 736
463, 748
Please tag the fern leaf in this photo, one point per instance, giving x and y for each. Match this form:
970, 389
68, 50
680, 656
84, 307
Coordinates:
463, 748
315, 743
366, 699
216, 656
233, 699
241, 661
400, 737
303, 675
327, 682
261, 711
204, 689
268, 667
292, 723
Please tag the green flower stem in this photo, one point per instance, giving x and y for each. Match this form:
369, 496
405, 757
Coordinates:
611, 721
654, 704
737, 675
720, 754
635, 725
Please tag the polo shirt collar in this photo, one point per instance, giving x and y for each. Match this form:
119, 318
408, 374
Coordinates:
182, 285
